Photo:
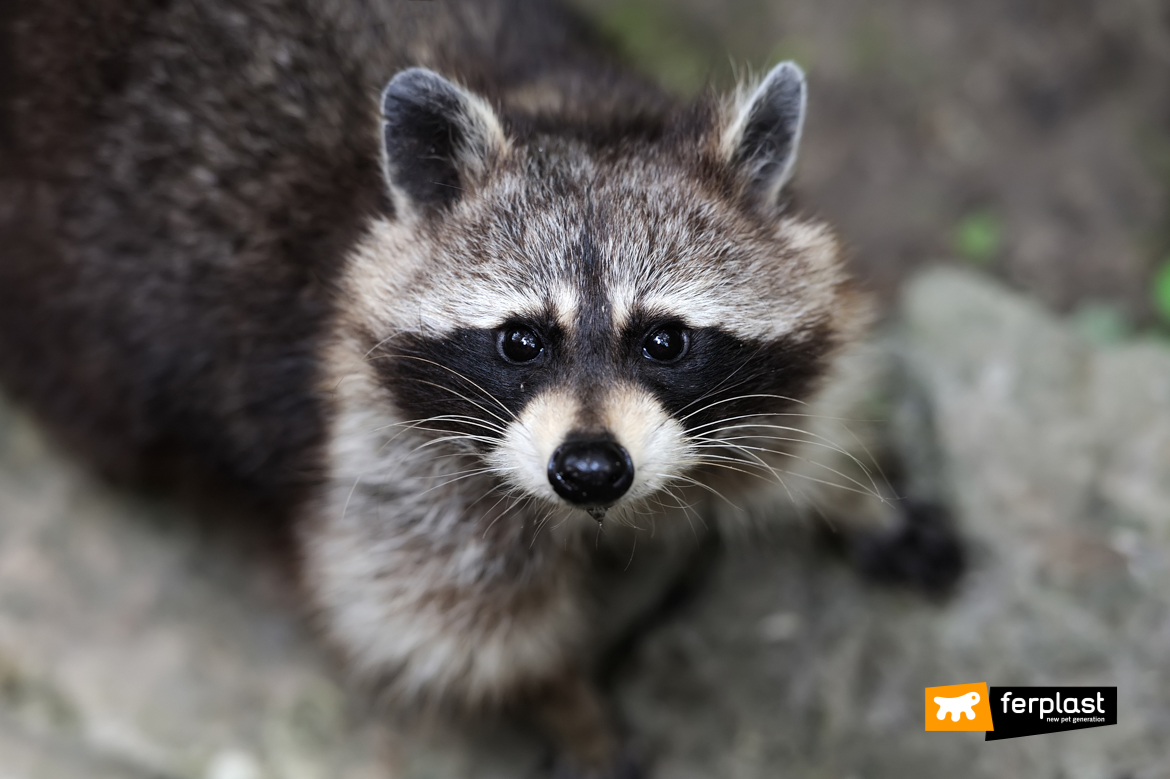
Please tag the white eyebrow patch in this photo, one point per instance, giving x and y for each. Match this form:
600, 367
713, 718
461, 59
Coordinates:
392, 282
737, 312
443, 308
566, 302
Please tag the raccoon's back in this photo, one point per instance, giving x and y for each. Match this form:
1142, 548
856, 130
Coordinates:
179, 184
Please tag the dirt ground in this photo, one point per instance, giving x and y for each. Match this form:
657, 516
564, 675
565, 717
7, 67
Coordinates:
1031, 137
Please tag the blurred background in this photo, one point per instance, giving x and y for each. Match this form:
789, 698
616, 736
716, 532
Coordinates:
1030, 138
1001, 172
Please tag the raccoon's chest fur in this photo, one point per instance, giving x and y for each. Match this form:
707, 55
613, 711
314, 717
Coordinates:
439, 279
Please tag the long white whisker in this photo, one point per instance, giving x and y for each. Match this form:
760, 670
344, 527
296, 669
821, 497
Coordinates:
540, 525
450, 437
714, 389
687, 509
872, 489
743, 447
464, 475
707, 487
834, 484
442, 418
761, 462
460, 395
487, 394
827, 442
741, 397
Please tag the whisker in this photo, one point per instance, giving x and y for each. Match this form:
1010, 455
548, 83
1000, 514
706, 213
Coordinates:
862, 491
487, 394
766, 414
385, 340
764, 464
707, 487
450, 437
735, 398
501, 515
442, 418
714, 389
465, 475
540, 525
873, 489
837, 486
469, 400
717, 443
876, 462
687, 509
826, 442
719, 461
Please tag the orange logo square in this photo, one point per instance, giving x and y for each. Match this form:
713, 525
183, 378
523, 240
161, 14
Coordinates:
958, 707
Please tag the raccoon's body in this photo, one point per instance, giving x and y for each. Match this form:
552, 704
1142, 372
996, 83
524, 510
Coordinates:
441, 280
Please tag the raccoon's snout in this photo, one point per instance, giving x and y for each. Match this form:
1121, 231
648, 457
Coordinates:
591, 471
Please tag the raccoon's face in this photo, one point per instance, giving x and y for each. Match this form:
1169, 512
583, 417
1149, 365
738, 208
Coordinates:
592, 315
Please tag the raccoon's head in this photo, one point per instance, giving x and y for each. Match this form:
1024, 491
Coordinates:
590, 306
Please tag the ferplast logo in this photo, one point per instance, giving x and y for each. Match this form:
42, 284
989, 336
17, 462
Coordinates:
1012, 712
1031, 711
958, 707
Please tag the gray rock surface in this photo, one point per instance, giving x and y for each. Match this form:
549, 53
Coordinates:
133, 646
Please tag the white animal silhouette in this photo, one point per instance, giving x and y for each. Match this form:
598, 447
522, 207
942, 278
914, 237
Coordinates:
956, 706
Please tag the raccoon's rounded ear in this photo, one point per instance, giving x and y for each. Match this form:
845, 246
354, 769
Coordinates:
437, 139
763, 134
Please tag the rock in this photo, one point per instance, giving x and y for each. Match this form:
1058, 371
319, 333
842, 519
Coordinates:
132, 644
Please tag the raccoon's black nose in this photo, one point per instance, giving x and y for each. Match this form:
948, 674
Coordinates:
591, 471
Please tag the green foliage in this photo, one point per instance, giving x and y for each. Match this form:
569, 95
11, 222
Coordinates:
978, 237
656, 39
1161, 290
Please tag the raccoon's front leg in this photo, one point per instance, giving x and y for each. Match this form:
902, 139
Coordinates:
571, 710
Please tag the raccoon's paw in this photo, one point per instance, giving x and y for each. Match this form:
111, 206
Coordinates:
627, 765
922, 550
586, 740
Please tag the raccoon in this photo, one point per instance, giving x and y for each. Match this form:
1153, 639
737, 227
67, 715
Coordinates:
444, 283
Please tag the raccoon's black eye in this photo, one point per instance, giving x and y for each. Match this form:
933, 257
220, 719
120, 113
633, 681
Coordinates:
666, 344
518, 343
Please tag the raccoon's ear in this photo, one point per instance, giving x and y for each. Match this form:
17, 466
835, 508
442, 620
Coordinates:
763, 134
437, 138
